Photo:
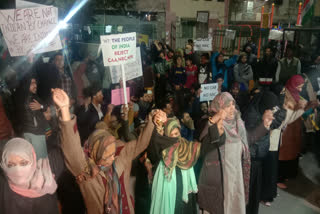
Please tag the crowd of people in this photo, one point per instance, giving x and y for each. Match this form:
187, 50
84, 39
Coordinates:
66, 149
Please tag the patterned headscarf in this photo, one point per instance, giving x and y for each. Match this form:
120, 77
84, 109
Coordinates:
235, 132
221, 101
97, 145
183, 154
292, 85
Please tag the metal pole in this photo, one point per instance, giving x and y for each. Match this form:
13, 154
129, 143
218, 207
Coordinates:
271, 18
220, 46
259, 46
239, 42
124, 85
299, 14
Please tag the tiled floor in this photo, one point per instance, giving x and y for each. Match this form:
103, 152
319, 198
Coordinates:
303, 193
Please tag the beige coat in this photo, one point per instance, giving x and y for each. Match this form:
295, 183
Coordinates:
93, 190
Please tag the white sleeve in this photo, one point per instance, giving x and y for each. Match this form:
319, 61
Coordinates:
278, 71
299, 67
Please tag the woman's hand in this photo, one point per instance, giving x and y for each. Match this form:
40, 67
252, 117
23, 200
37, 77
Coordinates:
125, 111
267, 118
62, 100
220, 116
159, 118
302, 104
218, 119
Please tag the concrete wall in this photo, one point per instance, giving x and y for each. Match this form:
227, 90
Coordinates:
189, 8
284, 13
151, 5
317, 8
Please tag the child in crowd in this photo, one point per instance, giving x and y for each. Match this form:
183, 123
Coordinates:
204, 72
191, 73
220, 80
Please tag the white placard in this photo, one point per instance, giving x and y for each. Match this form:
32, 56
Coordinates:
208, 92
118, 49
230, 34
289, 35
132, 70
275, 35
26, 30
203, 44
202, 17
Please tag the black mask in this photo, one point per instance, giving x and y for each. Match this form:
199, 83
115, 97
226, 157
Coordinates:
281, 98
279, 117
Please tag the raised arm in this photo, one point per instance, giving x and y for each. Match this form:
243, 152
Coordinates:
132, 149
261, 130
69, 136
232, 61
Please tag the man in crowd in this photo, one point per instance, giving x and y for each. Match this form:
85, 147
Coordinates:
66, 82
288, 66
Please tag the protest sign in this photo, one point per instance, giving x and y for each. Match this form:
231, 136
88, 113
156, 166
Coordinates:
203, 44
230, 34
26, 30
118, 49
117, 96
275, 35
143, 38
132, 70
208, 91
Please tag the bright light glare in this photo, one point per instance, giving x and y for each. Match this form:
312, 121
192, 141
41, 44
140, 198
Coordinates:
63, 25
108, 28
75, 8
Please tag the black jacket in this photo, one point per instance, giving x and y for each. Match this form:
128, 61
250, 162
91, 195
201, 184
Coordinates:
34, 121
87, 120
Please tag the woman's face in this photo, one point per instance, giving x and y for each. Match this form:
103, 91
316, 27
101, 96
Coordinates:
244, 59
15, 160
220, 58
109, 154
113, 122
175, 133
299, 88
230, 110
204, 108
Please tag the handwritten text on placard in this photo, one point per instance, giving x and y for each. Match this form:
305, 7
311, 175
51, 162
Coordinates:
24, 29
208, 91
132, 70
203, 44
118, 49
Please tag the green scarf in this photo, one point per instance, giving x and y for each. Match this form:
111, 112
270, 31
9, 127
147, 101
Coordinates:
184, 155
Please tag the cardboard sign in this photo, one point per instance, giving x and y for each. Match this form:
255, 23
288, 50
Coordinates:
117, 96
25, 30
118, 49
265, 21
208, 91
132, 70
203, 44
143, 38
